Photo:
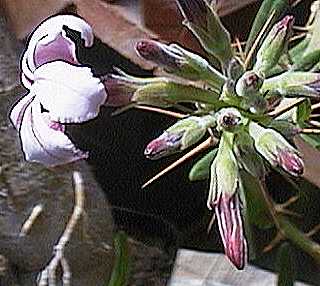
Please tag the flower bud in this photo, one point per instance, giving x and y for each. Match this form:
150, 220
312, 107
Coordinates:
231, 229
204, 23
294, 84
155, 91
223, 197
179, 136
273, 45
229, 119
276, 149
180, 62
247, 156
249, 83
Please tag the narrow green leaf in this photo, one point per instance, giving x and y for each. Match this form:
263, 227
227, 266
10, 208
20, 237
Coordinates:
201, 169
286, 265
256, 206
120, 273
303, 112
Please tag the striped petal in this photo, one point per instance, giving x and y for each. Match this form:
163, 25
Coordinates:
43, 144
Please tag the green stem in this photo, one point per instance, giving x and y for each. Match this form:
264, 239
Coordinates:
299, 238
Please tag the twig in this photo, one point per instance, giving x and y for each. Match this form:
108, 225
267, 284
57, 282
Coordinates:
49, 273
36, 211
257, 40
240, 50
309, 131
314, 123
315, 106
162, 111
279, 111
274, 242
204, 145
313, 231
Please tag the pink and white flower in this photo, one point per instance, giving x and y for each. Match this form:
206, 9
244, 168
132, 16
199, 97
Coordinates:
61, 91
49, 42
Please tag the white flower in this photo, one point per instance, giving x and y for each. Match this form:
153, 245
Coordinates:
61, 93
49, 42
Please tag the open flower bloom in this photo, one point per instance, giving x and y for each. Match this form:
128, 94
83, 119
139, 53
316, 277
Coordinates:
224, 198
49, 42
276, 149
61, 93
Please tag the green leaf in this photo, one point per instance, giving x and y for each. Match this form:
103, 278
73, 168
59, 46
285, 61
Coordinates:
120, 273
256, 206
278, 6
303, 112
286, 265
312, 139
201, 169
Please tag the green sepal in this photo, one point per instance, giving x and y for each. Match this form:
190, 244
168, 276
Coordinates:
201, 169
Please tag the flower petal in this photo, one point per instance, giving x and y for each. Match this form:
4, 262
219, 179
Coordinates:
231, 229
43, 144
49, 42
70, 93
18, 110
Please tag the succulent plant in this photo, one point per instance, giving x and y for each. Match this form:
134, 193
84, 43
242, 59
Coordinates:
250, 100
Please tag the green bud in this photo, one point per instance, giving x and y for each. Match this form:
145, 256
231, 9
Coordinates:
178, 61
230, 119
273, 45
224, 171
276, 149
180, 136
249, 84
165, 94
247, 156
294, 84
267, 7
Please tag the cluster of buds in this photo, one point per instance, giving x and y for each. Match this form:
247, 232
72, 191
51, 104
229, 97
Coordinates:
230, 96
233, 99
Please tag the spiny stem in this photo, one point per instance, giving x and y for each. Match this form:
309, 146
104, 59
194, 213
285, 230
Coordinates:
204, 145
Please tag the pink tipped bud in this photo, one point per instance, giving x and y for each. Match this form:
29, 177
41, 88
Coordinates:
161, 54
290, 162
164, 145
230, 225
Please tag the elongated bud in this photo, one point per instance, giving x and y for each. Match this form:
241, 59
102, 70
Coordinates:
276, 149
274, 45
223, 197
247, 157
180, 62
165, 93
179, 136
294, 84
204, 23
231, 229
